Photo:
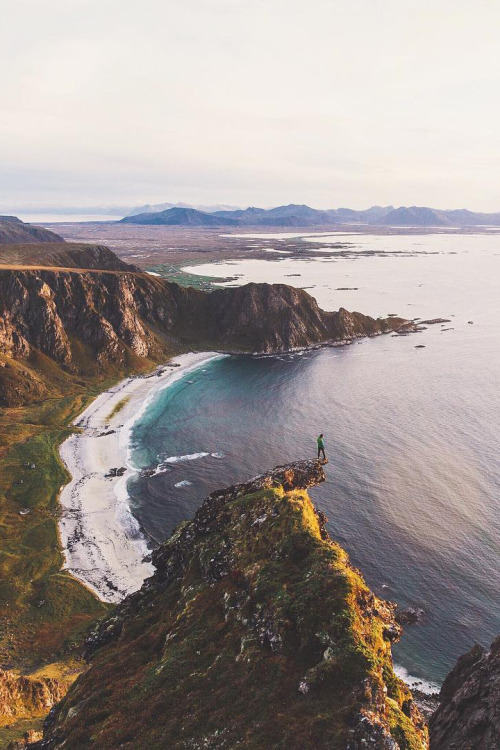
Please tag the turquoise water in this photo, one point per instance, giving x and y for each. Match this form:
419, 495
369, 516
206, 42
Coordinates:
413, 483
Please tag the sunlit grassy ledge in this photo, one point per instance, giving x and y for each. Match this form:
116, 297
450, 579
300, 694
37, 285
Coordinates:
102, 543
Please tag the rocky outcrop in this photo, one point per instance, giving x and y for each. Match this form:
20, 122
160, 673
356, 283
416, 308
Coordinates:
26, 740
255, 631
87, 321
26, 697
468, 716
13, 230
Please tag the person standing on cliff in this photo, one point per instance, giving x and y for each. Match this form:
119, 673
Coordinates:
321, 447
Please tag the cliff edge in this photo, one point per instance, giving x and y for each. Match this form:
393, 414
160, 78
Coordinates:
255, 631
59, 322
468, 716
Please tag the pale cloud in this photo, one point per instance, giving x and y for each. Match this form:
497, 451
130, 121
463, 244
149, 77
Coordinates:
330, 102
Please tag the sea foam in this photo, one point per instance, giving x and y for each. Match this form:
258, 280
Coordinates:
187, 457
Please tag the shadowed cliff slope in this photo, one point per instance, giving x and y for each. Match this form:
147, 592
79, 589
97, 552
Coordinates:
468, 717
13, 230
255, 631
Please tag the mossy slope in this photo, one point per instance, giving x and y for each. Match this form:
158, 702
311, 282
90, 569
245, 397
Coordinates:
255, 632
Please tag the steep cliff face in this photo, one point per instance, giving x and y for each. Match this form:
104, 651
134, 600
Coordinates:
89, 320
262, 317
23, 696
468, 717
255, 632
86, 323
13, 230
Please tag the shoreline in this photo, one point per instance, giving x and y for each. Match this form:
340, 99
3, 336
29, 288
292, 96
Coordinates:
102, 542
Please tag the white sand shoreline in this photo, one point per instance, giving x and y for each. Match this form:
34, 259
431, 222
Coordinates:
102, 542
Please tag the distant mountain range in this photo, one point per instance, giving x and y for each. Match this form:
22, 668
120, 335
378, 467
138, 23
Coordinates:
182, 217
158, 207
304, 216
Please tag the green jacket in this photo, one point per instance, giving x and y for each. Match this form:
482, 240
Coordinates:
321, 442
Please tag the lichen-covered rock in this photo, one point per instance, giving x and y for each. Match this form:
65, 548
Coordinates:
468, 715
255, 631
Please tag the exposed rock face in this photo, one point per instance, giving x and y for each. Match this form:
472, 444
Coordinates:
86, 320
468, 717
24, 696
255, 631
44, 309
13, 230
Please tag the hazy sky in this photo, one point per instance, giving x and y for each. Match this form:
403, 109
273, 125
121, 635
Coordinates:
262, 102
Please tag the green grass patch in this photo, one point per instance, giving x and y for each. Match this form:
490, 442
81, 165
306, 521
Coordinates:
175, 273
31, 476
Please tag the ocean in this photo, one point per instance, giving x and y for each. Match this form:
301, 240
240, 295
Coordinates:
412, 434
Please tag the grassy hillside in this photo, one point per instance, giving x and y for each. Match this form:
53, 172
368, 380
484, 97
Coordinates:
42, 610
62, 255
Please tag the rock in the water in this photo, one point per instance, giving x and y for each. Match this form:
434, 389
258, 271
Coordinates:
434, 321
409, 616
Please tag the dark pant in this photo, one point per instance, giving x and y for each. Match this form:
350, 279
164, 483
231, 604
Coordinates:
321, 450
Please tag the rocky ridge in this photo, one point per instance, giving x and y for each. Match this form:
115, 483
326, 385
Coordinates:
254, 631
26, 696
90, 321
468, 716
13, 230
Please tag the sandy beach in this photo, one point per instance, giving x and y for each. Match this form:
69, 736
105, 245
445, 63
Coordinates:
102, 542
